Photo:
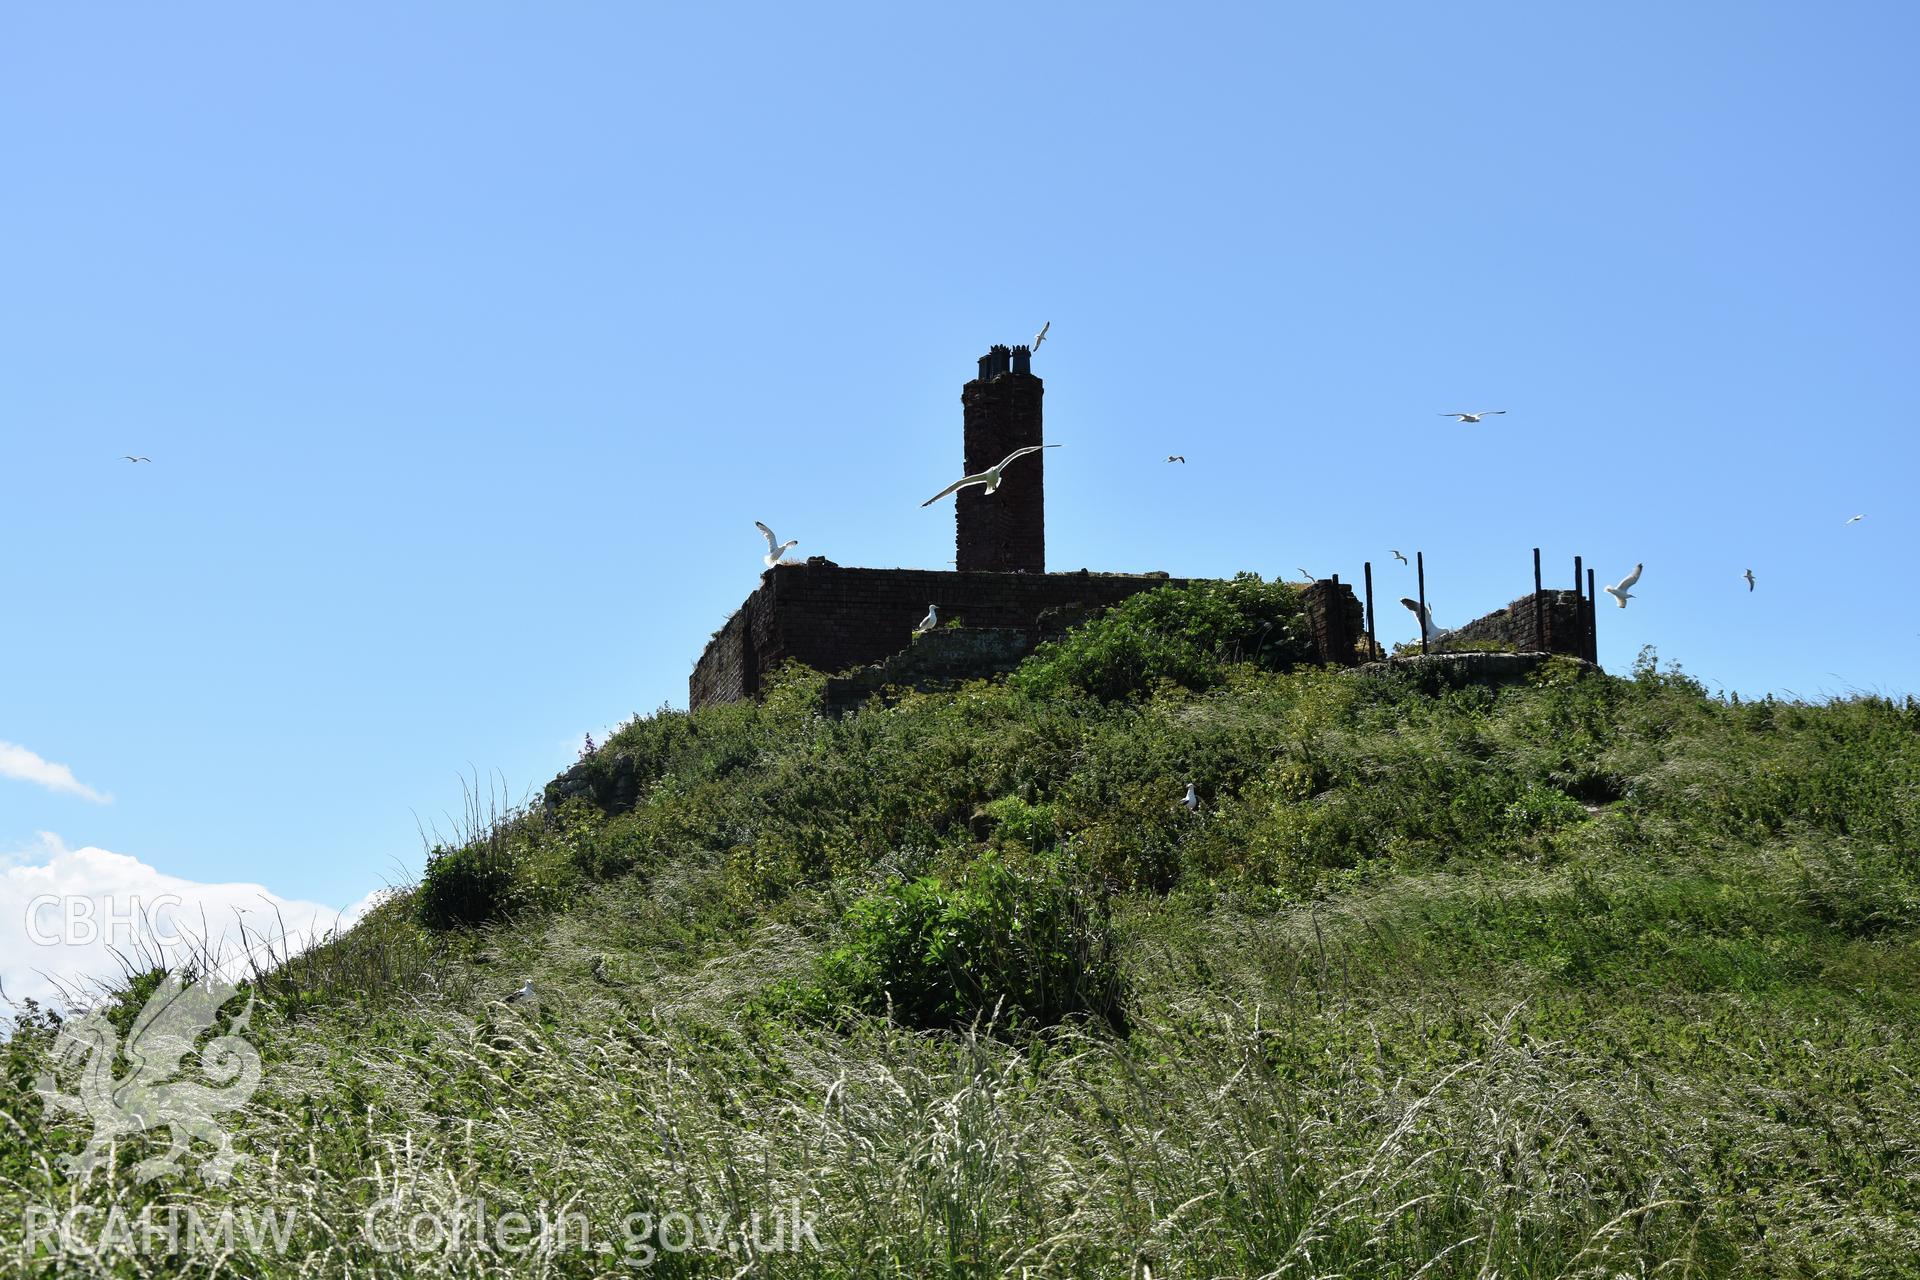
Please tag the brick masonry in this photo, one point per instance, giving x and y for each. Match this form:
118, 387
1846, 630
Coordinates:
835, 619
1564, 625
1006, 531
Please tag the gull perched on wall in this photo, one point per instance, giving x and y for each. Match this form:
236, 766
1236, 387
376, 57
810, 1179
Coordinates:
929, 622
1619, 589
1474, 417
774, 550
1430, 632
990, 477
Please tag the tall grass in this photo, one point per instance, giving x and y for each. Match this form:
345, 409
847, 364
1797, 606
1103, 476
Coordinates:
1589, 978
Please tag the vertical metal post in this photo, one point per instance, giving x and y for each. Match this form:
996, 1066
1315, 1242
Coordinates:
1579, 609
1334, 603
1373, 645
1420, 566
1539, 615
1593, 623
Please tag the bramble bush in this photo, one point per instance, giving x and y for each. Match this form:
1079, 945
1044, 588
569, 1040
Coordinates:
1029, 945
1183, 635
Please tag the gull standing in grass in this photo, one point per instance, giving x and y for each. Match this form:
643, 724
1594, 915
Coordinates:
1474, 417
1041, 336
929, 622
1619, 589
524, 993
774, 550
1748, 575
990, 477
1191, 800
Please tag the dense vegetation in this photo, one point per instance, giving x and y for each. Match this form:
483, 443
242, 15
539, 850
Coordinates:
1591, 977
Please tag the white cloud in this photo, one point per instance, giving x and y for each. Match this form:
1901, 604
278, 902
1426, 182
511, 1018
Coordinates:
67, 915
24, 766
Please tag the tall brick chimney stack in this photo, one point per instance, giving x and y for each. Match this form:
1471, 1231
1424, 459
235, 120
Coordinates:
1006, 532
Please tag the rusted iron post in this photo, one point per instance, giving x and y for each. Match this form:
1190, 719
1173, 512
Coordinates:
1593, 623
1539, 613
1333, 607
1373, 644
1579, 609
1420, 566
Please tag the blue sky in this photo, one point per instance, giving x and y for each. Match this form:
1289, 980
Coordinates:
468, 341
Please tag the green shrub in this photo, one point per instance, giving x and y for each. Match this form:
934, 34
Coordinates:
464, 887
1187, 635
1031, 944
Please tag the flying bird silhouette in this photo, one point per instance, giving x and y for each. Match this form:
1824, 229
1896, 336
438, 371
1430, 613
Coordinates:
1041, 336
990, 477
1856, 520
1619, 589
1474, 417
1306, 575
130, 458
1748, 575
774, 550
1397, 556
1180, 458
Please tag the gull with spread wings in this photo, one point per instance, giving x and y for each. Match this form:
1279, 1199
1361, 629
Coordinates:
1620, 590
990, 477
774, 549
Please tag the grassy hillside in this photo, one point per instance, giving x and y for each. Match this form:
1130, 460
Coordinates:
1592, 977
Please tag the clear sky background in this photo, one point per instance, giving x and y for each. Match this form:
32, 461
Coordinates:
468, 341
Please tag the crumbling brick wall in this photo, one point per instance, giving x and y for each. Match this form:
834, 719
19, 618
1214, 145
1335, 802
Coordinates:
1339, 622
834, 619
1558, 623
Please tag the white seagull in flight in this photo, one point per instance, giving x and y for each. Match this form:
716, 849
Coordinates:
991, 476
1474, 417
1430, 632
1856, 520
1619, 589
929, 622
1041, 336
774, 549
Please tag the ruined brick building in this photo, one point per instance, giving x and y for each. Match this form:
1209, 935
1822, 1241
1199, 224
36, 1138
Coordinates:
839, 619
861, 621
